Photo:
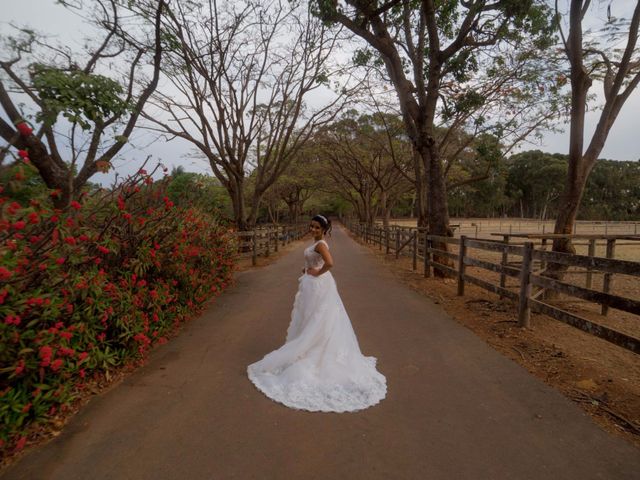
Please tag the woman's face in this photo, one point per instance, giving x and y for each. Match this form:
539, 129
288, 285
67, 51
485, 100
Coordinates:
316, 229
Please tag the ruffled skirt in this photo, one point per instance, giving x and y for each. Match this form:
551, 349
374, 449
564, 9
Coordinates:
320, 366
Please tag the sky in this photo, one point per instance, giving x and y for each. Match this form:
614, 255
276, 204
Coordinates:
48, 17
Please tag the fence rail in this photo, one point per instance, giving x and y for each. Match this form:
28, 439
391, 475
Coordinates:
528, 270
264, 239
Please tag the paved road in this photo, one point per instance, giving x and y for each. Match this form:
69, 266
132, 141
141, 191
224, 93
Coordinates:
456, 409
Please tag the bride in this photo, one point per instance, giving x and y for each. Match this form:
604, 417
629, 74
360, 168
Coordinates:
320, 366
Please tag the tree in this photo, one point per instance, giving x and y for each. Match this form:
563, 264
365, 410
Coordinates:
619, 71
98, 112
243, 72
612, 191
202, 191
368, 155
534, 182
424, 45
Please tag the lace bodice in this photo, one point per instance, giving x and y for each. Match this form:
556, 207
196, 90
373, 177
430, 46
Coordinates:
313, 259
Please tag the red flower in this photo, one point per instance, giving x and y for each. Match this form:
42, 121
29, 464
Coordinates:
35, 301
12, 320
24, 129
121, 205
57, 363
33, 218
26, 408
82, 356
70, 240
83, 238
142, 283
19, 225
21, 443
103, 249
67, 352
66, 335
13, 208
23, 154
20, 368
127, 216
5, 274
76, 205
60, 260
45, 352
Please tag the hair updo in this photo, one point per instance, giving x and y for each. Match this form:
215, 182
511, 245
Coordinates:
324, 222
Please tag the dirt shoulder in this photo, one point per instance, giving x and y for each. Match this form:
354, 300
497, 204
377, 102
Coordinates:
603, 379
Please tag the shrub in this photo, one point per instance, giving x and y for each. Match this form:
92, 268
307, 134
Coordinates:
93, 287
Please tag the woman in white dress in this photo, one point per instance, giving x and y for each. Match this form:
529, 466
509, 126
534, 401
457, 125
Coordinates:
320, 366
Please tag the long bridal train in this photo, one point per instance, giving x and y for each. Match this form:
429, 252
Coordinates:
320, 367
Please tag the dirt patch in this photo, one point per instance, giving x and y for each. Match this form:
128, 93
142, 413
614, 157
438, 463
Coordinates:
603, 379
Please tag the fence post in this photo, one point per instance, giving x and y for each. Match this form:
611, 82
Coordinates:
277, 237
503, 264
387, 234
543, 247
397, 243
255, 249
592, 252
606, 284
461, 254
524, 309
268, 234
427, 256
415, 250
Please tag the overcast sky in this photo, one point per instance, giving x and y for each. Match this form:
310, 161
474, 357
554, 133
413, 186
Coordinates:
46, 16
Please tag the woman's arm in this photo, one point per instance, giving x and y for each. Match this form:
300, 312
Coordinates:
323, 250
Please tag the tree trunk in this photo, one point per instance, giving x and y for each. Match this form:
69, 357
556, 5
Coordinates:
421, 190
437, 211
237, 200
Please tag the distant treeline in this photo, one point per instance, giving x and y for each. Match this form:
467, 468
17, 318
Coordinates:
529, 184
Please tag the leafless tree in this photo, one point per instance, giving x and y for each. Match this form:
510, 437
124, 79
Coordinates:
242, 73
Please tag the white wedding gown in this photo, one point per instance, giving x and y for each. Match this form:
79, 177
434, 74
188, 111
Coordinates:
320, 366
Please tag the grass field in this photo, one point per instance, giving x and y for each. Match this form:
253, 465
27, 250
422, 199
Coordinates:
494, 228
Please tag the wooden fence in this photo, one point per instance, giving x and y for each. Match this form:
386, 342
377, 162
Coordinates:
267, 238
528, 272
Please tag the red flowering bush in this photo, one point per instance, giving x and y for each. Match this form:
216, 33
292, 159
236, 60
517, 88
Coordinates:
92, 287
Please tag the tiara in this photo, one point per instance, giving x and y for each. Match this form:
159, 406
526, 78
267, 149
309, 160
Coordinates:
323, 218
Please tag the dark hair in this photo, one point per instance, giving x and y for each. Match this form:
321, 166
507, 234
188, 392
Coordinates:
324, 222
